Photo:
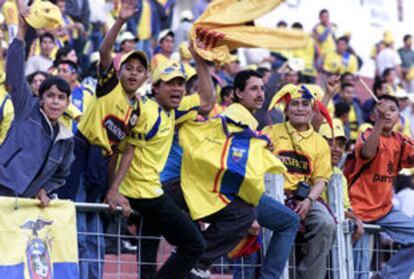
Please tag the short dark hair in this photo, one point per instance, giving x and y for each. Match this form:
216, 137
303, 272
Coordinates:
341, 108
389, 98
60, 83
406, 37
344, 75
323, 11
63, 51
297, 25
387, 71
346, 84
377, 85
47, 35
240, 81
225, 91
262, 71
343, 38
30, 77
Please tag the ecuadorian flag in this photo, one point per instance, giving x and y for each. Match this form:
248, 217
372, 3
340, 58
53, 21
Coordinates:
37, 243
221, 161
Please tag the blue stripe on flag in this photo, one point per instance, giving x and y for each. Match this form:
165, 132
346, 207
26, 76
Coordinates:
67, 270
236, 166
12, 271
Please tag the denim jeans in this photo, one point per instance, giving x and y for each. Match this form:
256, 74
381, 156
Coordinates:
400, 228
283, 223
87, 183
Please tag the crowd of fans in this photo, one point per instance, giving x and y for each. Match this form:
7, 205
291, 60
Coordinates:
114, 106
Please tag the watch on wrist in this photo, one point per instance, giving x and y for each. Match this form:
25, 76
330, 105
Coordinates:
309, 198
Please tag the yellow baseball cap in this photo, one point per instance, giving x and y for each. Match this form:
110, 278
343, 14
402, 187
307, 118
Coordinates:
44, 14
138, 54
339, 132
167, 71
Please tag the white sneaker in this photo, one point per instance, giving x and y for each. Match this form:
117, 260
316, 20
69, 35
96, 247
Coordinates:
197, 273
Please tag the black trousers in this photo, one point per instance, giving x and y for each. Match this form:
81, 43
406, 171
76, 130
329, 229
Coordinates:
227, 228
164, 216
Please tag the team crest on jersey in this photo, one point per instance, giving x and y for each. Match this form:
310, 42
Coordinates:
237, 153
39, 264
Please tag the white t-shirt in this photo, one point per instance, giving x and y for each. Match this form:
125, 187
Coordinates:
387, 58
38, 63
403, 201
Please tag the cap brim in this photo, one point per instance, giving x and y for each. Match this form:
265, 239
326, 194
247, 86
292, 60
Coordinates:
136, 54
171, 76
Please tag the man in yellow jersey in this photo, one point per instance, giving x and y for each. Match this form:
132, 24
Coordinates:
324, 33
105, 124
166, 43
137, 180
340, 61
307, 157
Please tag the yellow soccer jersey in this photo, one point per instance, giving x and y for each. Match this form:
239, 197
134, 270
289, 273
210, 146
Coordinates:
307, 54
308, 160
152, 138
70, 115
6, 114
328, 39
340, 64
344, 184
109, 116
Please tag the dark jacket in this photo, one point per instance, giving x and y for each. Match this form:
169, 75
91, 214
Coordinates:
29, 157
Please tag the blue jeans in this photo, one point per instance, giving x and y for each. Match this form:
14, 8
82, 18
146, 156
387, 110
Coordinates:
145, 46
400, 228
284, 224
87, 183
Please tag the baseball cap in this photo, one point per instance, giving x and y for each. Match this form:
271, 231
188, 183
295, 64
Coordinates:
296, 64
44, 14
164, 33
187, 14
138, 54
167, 71
126, 36
339, 132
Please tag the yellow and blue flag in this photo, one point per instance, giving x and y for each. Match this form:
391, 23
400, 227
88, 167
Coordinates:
37, 243
219, 165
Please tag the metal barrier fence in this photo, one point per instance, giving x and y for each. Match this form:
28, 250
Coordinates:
122, 259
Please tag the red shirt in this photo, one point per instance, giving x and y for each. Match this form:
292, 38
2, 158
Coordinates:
371, 194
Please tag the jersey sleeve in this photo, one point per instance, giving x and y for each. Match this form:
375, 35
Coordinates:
407, 156
136, 135
107, 81
188, 109
322, 169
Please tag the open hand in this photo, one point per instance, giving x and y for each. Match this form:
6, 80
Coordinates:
128, 9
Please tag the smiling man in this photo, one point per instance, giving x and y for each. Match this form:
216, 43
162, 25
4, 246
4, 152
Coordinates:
37, 153
307, 158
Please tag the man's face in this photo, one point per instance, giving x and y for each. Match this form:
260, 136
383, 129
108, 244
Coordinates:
291, 77
252, 97
347, 94
337, 150
324, 18
36, 82
54, 102
392, 115
167, 44
409, 42
132, 75
128, 45
342, 46
72, 56
67, 72
170, 93
46, 46
299, 111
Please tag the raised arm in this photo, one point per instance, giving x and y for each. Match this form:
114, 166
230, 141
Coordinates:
128, 9
15, 77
